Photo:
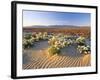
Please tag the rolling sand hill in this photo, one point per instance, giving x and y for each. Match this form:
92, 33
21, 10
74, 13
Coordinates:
42, 60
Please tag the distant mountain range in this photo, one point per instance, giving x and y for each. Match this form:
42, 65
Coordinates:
54, 26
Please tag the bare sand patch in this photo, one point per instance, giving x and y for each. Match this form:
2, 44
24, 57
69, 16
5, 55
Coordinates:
41, 60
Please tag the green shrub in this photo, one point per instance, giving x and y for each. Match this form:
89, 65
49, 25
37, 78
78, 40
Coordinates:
52, 40
27, 43
53, 50
83, 49
28, 36
80, 40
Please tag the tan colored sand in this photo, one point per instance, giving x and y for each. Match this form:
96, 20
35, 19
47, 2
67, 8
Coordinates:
43, 60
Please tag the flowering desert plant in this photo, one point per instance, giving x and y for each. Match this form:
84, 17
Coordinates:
83, 49
27, 43
52, 50
80, 40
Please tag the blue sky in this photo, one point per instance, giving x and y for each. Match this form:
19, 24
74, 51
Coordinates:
31, 18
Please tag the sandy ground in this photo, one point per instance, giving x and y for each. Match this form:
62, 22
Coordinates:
41, 59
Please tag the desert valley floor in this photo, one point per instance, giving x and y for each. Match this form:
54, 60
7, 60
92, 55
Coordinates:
42, 60
37, 56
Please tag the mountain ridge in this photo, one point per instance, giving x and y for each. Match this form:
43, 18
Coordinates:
54, 26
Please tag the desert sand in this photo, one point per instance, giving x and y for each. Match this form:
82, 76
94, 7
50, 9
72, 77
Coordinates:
41, 60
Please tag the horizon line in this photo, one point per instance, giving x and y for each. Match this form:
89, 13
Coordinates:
59, 25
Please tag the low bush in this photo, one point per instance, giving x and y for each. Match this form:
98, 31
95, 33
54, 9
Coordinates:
28, 36
83, 49
27, 43
80, 40
53, 50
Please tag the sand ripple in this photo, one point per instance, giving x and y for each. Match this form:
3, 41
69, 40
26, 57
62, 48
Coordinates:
43, 60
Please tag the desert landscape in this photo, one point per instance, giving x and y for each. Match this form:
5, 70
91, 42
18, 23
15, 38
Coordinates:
55, 39
56, 47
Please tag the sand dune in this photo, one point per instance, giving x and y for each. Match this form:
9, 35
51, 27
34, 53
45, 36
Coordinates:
42, 60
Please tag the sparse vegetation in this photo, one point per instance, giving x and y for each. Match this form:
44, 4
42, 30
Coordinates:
80, 40
83, 49
27, 43
82, 31
52, 50
57, 41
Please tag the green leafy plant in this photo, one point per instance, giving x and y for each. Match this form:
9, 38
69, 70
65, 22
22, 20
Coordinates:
80, 40
28, 36
27, 43
83, 49
53, 50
